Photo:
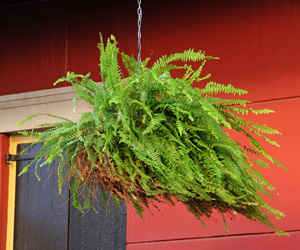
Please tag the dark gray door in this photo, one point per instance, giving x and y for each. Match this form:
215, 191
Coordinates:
46, 220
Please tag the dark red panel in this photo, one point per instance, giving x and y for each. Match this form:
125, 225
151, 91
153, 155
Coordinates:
246, 242
257, 41
176, 223
86, 19
4, 172
32, 46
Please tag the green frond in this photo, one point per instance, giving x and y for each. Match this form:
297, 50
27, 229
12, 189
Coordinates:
186, 56
213, 88
261, 111
130, 63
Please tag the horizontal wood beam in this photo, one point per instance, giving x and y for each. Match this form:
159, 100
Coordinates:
17, 107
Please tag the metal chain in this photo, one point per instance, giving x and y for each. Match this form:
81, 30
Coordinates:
139, 12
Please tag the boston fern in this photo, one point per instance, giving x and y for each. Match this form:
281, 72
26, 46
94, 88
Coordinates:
152, 137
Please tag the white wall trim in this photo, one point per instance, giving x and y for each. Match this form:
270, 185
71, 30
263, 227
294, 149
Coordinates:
57, 101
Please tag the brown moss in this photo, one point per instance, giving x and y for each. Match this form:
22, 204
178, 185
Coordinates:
104, 175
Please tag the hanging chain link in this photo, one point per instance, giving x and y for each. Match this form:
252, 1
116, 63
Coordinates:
139, 12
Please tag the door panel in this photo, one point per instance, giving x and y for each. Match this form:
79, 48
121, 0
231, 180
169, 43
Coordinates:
45, 219
41, 214
101, 230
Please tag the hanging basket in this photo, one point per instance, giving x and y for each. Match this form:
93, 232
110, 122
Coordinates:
154, 138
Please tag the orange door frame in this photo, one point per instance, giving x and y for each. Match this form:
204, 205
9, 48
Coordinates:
4, 181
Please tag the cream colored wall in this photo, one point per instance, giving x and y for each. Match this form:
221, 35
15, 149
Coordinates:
17, 107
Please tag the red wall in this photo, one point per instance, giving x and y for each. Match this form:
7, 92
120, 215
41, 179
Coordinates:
32, 46
258, 42
4, 171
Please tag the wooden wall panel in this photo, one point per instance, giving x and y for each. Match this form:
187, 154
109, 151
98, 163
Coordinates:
249, 242
101, 230
32, 46
172, 223
41, 213
86, 19
257, 41
45, 219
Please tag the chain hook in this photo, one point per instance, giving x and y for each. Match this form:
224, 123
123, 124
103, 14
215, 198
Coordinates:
139, 12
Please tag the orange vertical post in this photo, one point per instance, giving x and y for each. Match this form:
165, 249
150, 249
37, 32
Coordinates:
4, 173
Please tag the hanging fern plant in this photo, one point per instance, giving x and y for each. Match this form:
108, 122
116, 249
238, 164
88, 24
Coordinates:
151, 137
